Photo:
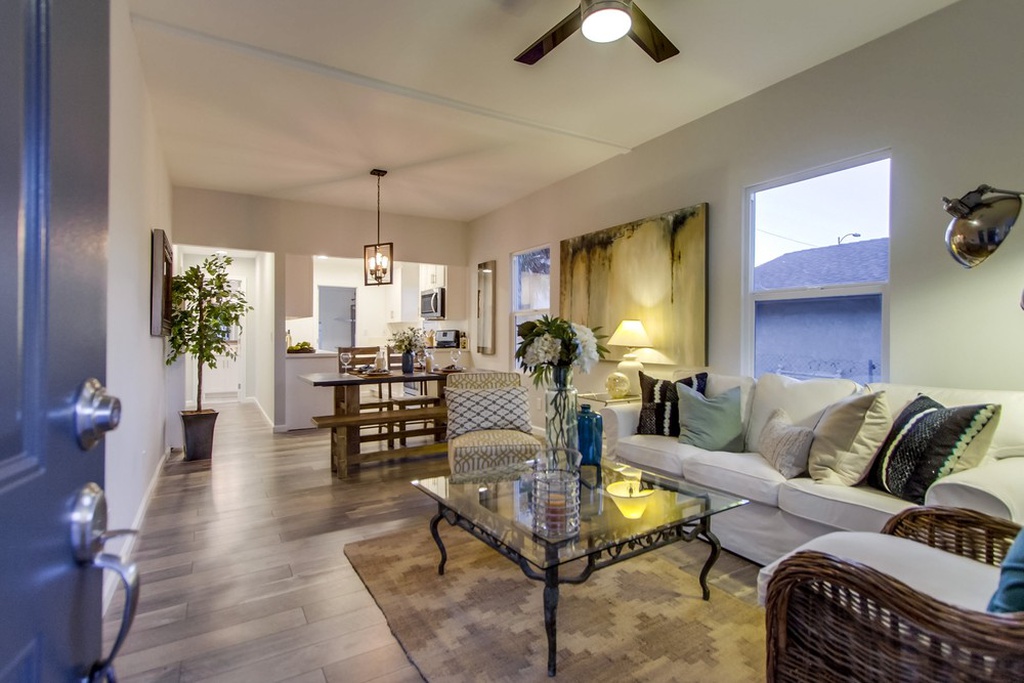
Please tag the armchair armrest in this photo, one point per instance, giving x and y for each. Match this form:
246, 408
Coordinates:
830, 620
956, 530
619, 421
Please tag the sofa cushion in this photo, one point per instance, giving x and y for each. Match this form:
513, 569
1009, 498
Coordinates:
471, 410
948, 577
658, 453
928, 441
659, 413
1008, 440
786, 445
803, 400
853, 508
847, 437
710, 423
746, 475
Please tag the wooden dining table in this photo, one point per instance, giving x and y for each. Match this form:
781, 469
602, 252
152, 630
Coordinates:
348, 419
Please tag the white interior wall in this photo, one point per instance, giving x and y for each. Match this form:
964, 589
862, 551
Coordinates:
943, 94
261, 379
139, 200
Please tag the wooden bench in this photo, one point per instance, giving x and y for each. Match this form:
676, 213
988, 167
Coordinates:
344, 453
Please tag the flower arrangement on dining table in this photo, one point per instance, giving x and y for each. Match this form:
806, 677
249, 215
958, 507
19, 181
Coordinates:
550, 349
409, 340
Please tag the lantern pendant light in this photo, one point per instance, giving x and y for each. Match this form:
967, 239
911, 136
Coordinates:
378, 259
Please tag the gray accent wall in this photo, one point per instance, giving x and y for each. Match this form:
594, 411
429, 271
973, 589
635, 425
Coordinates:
943, 94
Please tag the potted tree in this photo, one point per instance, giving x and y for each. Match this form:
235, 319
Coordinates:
204, 310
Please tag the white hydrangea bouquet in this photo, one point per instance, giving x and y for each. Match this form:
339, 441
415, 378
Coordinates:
550, 343
411, 340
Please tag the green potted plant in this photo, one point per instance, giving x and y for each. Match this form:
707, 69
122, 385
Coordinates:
204, 310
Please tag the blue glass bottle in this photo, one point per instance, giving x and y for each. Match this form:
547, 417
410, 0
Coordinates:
590, 433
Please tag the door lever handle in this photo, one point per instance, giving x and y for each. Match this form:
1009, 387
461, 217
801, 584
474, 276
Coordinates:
88, 536
129, 575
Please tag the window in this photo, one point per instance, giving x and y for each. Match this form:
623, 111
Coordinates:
531, 288
820, 272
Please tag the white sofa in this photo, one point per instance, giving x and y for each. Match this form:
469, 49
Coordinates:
783, 514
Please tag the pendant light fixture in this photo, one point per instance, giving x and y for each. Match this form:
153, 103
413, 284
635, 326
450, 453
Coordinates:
378, 261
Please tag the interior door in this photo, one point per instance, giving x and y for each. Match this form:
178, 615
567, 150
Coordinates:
53, 212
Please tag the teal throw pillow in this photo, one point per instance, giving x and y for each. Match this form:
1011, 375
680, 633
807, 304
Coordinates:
710, 423
1009, 596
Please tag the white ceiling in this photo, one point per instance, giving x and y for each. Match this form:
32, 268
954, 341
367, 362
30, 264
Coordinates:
299, 99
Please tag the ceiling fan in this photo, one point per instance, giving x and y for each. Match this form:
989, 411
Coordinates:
622, 15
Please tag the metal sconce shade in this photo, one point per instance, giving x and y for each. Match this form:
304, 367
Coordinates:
605, 21
378, 259
981, 222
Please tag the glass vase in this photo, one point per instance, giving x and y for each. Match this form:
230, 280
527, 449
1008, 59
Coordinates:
408, 363
590, 433
560, 426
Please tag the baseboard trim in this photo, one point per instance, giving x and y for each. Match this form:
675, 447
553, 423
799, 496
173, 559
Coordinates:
110, 580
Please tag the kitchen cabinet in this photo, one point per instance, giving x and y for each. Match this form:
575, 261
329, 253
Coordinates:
403, 297
432, 275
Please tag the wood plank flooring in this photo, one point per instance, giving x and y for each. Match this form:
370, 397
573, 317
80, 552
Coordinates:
243, 574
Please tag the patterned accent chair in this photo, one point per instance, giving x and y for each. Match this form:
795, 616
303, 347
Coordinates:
488, 422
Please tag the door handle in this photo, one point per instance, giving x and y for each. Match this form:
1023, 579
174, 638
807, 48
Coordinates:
88, 536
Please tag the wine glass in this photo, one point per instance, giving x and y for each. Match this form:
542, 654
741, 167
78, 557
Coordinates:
456, 355
346, 358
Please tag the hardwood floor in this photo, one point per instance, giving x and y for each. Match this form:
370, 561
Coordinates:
243, 574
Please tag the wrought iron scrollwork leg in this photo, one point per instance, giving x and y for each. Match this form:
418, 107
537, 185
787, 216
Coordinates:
550, 610
716, 550
437, 539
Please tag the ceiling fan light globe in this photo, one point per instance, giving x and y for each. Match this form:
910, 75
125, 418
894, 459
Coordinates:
605, 21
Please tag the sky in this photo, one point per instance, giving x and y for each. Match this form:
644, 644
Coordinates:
819, 211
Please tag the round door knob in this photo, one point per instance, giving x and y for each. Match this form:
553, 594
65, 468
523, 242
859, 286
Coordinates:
96, 413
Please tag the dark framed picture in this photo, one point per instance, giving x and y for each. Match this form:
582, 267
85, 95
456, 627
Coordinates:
162, 268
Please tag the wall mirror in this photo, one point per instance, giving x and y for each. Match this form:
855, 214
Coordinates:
485, 307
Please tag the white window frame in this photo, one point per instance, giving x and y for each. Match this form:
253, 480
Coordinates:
516, 313
751, 297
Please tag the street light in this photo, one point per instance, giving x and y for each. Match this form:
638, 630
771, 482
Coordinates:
849, 234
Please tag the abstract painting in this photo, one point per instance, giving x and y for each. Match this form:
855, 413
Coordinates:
653, 270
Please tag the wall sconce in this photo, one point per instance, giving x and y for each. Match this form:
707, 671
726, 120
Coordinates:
981, 222
378, 259
631, 334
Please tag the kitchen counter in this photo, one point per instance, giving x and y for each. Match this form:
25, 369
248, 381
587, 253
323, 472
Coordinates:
301, 400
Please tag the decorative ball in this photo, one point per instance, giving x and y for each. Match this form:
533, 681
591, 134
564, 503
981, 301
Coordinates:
617, 385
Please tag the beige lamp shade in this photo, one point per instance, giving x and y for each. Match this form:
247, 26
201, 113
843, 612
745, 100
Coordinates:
630, 333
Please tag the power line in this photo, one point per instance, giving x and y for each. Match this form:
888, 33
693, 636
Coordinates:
790, 239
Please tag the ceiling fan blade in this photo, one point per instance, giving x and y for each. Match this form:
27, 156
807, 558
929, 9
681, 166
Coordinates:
649, 37
549, 41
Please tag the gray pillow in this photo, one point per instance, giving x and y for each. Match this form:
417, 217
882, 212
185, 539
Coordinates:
710, 423
785, 445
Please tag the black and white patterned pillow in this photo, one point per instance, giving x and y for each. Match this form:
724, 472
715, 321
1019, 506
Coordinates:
471, 410
659, 412
927, 441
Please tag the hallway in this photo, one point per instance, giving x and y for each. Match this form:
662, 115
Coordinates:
243, 574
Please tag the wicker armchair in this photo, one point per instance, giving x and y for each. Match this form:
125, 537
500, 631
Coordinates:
832, 620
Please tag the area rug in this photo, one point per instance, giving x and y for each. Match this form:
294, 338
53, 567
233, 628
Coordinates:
639, 620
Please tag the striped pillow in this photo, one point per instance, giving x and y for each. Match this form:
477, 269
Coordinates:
927, 441
659, 413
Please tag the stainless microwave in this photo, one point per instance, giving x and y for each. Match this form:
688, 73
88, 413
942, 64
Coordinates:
432, 303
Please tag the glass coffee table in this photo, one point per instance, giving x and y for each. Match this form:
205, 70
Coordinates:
624, 512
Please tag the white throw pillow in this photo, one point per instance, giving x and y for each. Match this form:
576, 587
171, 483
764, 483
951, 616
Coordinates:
847, 438
471, 410
803, 401
786, 445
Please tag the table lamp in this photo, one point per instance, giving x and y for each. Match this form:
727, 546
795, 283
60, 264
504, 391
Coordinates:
631, 334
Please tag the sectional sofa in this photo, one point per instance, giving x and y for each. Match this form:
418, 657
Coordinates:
786, 512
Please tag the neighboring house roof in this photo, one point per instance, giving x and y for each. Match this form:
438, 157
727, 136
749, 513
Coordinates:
865, 261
